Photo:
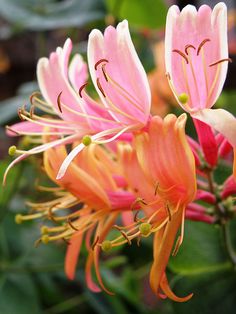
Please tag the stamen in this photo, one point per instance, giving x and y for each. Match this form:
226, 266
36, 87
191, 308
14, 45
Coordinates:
222, 60
202, 44
187, 47
181, 54
100, 88
59, 101
99, 62
12, 130
81, 89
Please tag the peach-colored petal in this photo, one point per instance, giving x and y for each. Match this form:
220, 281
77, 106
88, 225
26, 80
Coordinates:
72, 255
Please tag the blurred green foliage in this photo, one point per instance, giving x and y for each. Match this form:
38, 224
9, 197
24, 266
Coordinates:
32, 280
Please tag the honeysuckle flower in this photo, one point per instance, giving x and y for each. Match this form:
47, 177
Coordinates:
161, 171
119, 79
92, 183
196, 54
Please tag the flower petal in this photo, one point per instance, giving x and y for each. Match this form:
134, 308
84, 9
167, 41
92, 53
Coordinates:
130, 93
220, 120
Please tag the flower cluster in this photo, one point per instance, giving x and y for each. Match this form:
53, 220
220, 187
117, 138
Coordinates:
129, 175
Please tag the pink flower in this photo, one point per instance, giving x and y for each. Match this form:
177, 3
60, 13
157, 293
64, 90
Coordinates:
197, 61
119, 79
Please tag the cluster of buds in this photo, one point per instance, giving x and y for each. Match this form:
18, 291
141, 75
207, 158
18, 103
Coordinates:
130, 175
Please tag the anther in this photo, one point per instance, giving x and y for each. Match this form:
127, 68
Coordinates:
99, 62
202, 44
106, 246
183, 98
45, 239
71, 225
145, 229
81, 89
12, 150
44, 230
95, 243
222, 60
168, 211
181, 54
87, 140
18, 219
104, 72
20, 114
35, 94
187, 47
136, 216
100, 88
59, 101
32, 111
125, 236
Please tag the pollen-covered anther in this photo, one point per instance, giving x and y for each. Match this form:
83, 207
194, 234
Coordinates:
59, 102
82, 87
145, 229
187, 48
12, 150
202, 44
99, 62
100, 88
220, 61
87, 140
183, 98
106, 246
181, 54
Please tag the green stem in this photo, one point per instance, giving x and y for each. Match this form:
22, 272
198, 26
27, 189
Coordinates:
228, 243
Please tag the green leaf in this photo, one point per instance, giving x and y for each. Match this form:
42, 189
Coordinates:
148, 13
213, 293
18, 295
46, 15
203, 267
10, 106
202, 251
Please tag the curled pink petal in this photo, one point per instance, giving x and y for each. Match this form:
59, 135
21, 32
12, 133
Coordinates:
220, 120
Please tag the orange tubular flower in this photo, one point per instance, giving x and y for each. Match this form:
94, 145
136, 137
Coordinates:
94, 183
162, 173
